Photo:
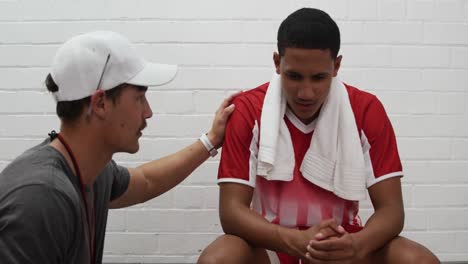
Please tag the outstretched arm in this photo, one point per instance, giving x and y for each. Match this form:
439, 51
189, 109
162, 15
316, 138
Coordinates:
156, 177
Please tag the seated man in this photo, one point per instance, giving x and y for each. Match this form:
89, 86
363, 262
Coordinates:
299, 154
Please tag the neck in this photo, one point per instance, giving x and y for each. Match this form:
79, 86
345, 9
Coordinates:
88, 150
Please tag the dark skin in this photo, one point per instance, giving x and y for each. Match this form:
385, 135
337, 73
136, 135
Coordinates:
306, 76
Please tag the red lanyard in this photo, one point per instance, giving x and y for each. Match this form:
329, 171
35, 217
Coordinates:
83, 194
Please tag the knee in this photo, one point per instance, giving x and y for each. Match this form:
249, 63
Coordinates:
403, 250
421, 256
226, 249
210, 258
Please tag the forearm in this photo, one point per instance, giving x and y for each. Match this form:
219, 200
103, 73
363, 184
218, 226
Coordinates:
384, 225
165, 173
260, 233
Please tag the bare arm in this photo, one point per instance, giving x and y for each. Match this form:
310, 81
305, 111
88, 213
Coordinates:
238, 219
388, 219
385, 224
156, 177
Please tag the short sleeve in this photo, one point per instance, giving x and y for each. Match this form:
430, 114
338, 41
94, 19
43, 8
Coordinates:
121, 181
378, 135
238, 156
37, 225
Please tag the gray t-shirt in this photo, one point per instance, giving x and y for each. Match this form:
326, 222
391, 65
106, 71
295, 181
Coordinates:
42, 214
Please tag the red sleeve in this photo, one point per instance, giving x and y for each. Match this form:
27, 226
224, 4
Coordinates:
238, 156
383, 153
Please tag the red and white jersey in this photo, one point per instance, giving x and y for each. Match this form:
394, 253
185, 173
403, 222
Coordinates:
299, 203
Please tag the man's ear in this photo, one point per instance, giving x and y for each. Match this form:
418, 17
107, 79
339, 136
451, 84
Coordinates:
277, 61
98, 104
337, 65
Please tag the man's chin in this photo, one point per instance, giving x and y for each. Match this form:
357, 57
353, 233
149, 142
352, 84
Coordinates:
132, 150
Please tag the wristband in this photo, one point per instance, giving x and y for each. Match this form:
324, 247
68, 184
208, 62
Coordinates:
208, 145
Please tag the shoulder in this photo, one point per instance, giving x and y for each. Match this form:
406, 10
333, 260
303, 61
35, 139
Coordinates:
113, 170
360, 99
366, 106
41, 167
249, 104
253, 97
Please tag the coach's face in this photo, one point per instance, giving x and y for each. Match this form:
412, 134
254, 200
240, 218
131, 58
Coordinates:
306, 76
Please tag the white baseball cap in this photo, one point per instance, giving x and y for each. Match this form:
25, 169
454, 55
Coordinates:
105, 59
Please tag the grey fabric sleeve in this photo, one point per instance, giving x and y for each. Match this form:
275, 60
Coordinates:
121, 177
37, 225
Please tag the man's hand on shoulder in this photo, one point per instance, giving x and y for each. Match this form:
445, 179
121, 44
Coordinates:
216, 133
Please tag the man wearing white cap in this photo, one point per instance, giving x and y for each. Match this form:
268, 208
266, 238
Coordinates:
54, 198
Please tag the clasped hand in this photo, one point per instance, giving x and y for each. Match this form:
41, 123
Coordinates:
331, 244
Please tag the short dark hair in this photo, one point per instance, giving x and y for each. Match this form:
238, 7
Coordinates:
69, 111
309, 28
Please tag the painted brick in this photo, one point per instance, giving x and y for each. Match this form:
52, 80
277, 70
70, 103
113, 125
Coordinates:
116, 220
447, 219
184, 243
131, 243
411, 54
148, 31
393, 33
404, 102
445, 80
451, 103
363, 10
14, 78
26, 102
460, 58
422, 149
449, 10
338, 9
154, 148
353, 76
206, 174
220, 78
186, 197
202, 221
211, 197
420, 57
415, 219
351, 32
460, 149
440, 195
164, 201
26, 55
393, 79
461, 241
11, 148
392, 9
210, 54
366, 56
161, 221
435, 172
178, 125
171, 102
420, 9
28, 125
446, 33
208, 102
430, 126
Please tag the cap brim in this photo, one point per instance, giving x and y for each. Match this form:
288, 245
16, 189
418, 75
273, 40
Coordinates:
154, 74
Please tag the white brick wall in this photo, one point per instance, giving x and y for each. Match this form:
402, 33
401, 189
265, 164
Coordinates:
412, 53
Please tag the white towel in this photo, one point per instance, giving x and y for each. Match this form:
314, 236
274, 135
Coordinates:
335, 161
